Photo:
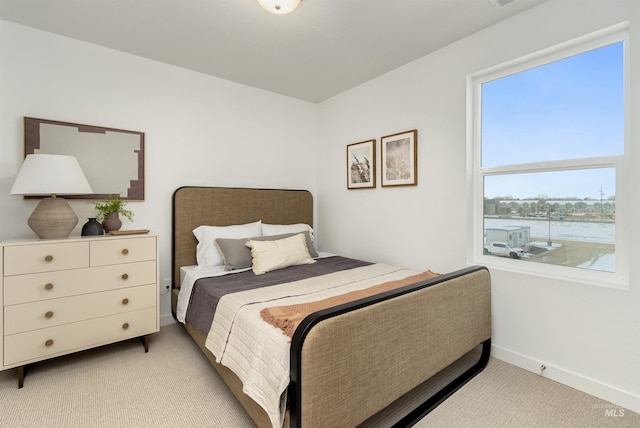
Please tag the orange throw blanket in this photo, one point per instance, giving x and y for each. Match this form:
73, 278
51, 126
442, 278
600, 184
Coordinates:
287, 318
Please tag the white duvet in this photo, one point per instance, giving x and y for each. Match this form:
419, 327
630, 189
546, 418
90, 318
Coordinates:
257, 352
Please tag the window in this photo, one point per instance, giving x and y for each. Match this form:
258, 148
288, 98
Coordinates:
548, 144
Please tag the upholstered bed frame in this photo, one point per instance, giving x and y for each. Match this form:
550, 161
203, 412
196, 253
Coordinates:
352, 361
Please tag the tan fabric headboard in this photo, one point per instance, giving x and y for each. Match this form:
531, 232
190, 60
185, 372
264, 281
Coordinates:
222, 206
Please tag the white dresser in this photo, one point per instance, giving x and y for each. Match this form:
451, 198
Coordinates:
60, 296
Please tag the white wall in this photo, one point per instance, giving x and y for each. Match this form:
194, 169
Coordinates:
587, 336
206, 131
199, 130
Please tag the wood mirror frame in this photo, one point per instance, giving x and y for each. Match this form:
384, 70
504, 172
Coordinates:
112, 159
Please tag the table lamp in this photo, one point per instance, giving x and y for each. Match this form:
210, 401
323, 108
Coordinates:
46, 174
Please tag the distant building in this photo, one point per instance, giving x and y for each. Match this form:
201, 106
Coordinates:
535, 208
514, 236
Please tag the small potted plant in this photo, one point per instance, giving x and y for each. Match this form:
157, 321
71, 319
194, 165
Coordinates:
109, 212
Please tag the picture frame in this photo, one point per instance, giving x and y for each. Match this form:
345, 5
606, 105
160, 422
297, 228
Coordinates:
399, 158
361, 165
111, 159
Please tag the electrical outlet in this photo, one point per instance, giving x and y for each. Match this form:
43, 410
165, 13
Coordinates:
165, 286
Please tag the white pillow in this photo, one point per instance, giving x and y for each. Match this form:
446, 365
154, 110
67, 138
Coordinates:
281, 229
272, 255
207, 253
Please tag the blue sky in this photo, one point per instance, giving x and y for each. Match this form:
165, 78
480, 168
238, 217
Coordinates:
572, 108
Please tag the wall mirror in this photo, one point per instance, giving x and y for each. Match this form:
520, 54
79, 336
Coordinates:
112, 159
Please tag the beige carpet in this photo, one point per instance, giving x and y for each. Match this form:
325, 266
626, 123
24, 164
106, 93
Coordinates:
119, 385
505, 396
174, 386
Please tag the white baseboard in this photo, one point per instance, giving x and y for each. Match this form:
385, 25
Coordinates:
167, 319
598, 389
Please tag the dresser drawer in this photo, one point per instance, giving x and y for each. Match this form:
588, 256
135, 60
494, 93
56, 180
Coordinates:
53, 285
49, 342
20, 259
50, 313
114, 251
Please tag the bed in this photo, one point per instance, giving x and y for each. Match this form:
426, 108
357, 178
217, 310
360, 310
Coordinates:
352, 362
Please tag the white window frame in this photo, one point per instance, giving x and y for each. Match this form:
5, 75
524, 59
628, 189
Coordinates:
476, 173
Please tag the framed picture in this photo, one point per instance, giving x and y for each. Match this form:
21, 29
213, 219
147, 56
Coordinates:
111, 159
361, 165
399, 157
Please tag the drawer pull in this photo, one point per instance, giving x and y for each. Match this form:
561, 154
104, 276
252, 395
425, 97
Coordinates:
49, 314
48, 286
125, 326
48, 258
125, 276
125, 251
125, 301
49, 342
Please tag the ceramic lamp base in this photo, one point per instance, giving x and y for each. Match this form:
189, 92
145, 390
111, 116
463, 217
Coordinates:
53, 218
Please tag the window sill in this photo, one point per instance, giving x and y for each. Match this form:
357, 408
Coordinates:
612, 280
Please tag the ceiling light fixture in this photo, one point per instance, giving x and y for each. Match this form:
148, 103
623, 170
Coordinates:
279, 7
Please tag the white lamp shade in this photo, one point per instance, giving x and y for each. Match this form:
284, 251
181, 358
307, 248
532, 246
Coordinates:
45, 174
279, 7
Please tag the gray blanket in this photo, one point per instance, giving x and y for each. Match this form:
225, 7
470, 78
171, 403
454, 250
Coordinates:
207, 292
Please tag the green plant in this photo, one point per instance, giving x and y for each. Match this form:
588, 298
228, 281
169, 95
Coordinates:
112, 204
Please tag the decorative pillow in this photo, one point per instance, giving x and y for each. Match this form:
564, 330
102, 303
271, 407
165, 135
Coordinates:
272, 255
236, 255
207, 253
279, 229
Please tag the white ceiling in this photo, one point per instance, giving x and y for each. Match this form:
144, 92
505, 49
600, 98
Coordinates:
317, 51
